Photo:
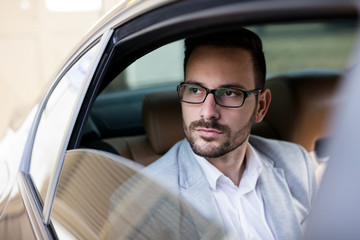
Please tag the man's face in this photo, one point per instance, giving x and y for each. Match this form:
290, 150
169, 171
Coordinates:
213, 130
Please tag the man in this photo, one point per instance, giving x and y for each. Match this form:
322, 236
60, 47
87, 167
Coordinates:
253, 186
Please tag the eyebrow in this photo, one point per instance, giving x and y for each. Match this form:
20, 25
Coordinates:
233, 85
236, 85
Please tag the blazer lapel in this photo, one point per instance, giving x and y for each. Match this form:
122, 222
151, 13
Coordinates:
278, 202
196, 190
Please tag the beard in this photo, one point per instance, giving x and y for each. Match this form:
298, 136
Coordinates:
229, 141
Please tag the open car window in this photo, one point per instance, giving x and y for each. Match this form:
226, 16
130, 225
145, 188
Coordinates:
159, 70
160, 67
300, 46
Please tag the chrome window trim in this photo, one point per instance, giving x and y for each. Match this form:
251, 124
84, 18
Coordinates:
124, 12
54, 179
36, 221
26, 157
25, 164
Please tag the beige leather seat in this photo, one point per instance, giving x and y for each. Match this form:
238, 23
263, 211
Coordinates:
300, 108
163, 124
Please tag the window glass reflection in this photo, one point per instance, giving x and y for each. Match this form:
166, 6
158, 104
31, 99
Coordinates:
104, 196
55, 120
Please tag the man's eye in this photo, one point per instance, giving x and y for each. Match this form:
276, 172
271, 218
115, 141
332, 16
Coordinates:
229, 93
194, 90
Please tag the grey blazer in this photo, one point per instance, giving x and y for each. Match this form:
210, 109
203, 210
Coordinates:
287, 183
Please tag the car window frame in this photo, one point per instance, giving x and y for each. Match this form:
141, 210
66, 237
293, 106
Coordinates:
33, 203
31, 194
177, 20
133, 39
102, 43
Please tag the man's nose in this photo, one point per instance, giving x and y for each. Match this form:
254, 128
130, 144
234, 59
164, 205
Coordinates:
209, 108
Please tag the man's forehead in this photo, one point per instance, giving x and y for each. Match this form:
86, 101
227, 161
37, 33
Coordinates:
211, 48
217, 84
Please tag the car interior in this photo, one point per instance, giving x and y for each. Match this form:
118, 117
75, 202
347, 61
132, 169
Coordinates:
141, 123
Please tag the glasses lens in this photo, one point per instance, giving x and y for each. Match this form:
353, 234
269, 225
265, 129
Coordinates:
192, 93
229, 97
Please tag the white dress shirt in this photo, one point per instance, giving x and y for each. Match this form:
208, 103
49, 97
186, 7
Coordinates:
241, 207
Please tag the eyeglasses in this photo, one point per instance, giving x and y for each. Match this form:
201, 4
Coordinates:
225, 97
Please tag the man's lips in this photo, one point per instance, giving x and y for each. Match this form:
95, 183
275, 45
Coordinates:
208, 132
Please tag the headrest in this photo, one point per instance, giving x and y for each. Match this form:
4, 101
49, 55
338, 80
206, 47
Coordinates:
301, 104
162, 120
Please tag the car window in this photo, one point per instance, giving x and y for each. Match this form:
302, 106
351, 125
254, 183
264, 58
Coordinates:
287, 47
159, 67
104, 196
56, 117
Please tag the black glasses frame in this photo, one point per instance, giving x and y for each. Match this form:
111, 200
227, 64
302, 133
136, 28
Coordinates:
213, 91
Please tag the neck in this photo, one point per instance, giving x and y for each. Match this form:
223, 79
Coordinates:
232, 164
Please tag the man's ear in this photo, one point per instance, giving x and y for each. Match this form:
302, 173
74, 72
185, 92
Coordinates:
264, 99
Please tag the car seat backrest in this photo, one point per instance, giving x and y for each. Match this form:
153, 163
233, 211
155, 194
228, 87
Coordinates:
162, 120
302, 102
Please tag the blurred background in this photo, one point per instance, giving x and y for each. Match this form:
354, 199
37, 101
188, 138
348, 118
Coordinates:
36, 36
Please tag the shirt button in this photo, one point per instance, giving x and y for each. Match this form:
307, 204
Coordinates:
251, 236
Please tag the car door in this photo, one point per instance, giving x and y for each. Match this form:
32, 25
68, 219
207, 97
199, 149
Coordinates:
48, 139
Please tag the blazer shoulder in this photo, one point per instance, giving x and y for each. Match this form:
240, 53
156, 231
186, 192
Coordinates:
281, 152
293, 160
291, 157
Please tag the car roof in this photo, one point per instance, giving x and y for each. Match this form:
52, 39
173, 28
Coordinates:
124, 11
127, 10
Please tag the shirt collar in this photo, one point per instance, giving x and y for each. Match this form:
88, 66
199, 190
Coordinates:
252, 171
250, 176
211, 172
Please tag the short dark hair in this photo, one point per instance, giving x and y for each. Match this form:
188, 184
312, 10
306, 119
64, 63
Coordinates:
242, 38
